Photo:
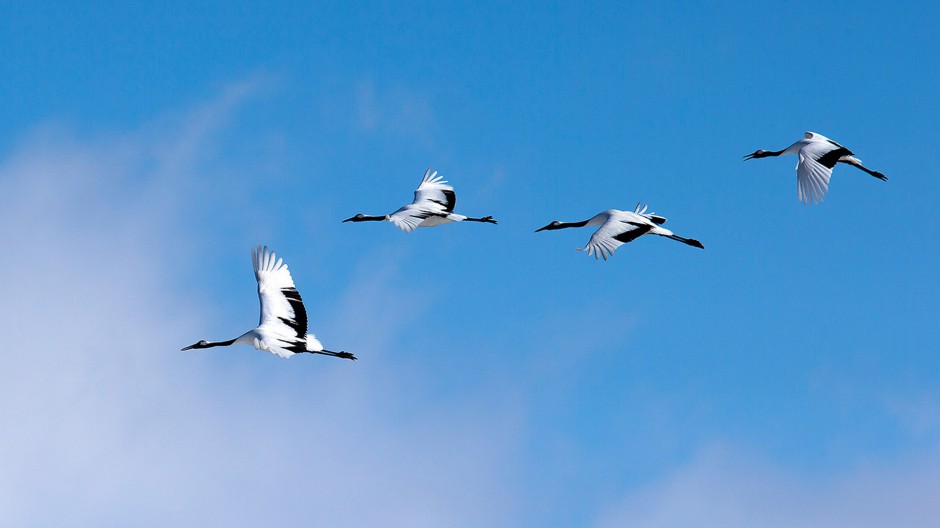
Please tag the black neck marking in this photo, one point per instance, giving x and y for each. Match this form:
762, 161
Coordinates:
763, 154
211, 344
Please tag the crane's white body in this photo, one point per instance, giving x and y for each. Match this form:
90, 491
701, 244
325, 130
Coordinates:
619, 227
433, 205
282, 329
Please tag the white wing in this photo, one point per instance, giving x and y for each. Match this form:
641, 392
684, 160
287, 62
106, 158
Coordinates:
659, 220
812, 176
283, 325
615, 232
433, 198
410, 216
434, 193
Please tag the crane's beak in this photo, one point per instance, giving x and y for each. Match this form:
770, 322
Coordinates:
350, 219
188, 348
543, 228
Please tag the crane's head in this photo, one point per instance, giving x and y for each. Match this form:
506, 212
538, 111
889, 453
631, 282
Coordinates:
554, 225
759, 154
200, 344
366, 218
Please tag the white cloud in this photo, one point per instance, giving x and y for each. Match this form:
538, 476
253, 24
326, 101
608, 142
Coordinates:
394, 110
105, 422
730, 489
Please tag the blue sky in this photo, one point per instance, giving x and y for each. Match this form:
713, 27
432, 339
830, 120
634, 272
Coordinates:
787, 375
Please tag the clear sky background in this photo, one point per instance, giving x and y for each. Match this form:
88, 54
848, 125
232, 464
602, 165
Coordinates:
787, 375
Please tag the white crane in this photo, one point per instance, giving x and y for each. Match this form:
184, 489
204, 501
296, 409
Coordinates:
818, 155
433, 206
283, 326
619, 227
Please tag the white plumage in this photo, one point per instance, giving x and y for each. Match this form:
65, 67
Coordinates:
817, 157
433, 205
619, 227
282, 329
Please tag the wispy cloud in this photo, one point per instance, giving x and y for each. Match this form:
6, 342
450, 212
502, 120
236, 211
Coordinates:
104, 421
393, 109
728, 488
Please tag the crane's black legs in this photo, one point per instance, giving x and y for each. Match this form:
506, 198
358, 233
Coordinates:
344, 355
690, 241
487, 219
876, 174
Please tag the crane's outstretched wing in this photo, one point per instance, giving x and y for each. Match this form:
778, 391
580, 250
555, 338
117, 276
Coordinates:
283, 316
410, 216
434, 193
432, 198
817, 158
613, 234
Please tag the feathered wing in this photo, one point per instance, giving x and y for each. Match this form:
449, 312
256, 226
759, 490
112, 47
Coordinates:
612, 234
432, 198
812, 176
434, 193
283, 316
409, 217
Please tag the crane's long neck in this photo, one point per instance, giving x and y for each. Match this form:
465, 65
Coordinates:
770, 153
211, 344
563, 225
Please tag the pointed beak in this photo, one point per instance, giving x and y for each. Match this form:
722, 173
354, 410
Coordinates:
350, 219
543, 228
188, 348
750, 156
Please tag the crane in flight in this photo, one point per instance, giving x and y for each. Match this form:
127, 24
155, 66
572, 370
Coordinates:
619, 227
433, 206
818, 156
283, 326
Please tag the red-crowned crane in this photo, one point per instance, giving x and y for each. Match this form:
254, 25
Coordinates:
619, 227
818, 155
433, 206
283, 326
